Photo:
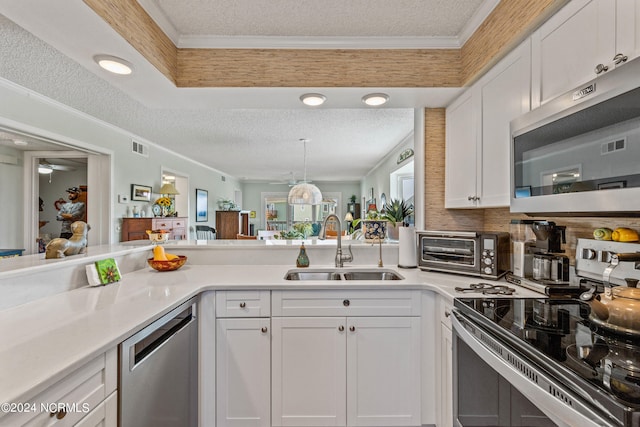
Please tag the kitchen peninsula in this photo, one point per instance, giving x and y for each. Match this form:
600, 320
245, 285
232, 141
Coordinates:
50, 338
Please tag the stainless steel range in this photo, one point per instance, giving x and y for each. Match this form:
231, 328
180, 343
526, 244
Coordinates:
551, 361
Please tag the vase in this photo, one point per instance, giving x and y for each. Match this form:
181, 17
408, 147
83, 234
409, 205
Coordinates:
393, 231
374, 229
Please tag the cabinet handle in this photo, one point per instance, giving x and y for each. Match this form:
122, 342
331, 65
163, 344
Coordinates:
352, 328
447, 313
341, 328
473, 198
346, 303
619, 58
264, 329
58, 414
601, 68
243, 304
470, 198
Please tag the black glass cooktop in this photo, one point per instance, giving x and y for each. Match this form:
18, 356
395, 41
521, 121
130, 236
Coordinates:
559, 337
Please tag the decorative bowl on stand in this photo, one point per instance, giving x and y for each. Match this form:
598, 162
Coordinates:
158, 237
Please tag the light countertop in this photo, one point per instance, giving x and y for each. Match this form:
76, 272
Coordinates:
46, 339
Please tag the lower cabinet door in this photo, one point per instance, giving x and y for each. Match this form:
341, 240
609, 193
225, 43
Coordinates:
383, 371
243, 371
446, 376
308, 371
104, 415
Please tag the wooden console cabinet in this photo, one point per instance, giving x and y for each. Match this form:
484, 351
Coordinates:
231, 223
136, 228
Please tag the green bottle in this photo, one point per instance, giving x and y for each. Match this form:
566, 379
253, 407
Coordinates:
303, 259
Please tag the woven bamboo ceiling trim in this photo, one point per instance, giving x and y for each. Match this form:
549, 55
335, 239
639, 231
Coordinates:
508, 23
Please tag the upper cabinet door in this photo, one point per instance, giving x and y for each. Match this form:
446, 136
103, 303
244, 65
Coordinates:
627, 29
567, 49
478, 137
460, 158
505, 94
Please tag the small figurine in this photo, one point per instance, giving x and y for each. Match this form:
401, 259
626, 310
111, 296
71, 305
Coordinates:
76, 244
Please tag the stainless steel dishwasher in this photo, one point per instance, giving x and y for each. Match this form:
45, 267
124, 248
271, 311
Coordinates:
158, 372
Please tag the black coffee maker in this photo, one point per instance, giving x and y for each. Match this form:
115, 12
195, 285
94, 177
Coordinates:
548, 264
549, 237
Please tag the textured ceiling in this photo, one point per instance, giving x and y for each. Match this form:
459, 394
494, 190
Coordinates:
314, 18
251, 134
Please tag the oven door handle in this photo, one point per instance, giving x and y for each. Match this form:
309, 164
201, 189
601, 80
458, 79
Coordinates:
561, 405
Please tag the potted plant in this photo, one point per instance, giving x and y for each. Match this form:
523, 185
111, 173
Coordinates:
374, 226
396, 212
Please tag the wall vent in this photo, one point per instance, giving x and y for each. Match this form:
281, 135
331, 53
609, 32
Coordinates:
611, 146
139, 148
224, 178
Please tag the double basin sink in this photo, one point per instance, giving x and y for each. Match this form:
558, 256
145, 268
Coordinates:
342, 274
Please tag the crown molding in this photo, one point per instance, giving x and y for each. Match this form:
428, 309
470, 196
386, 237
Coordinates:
287, 42
476, 20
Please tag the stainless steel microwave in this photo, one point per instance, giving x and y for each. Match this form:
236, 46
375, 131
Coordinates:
580, 152
484, 255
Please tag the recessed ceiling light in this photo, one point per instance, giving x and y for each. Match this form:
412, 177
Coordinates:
375, 99
114, 64
20, 142
313, 99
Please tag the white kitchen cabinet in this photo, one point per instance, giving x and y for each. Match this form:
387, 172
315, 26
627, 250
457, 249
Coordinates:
104, 415
461, 152
478, 137
383, 365
584, 39
89, 391
243, 359
243, 372
308, 371
444, 366
357, 370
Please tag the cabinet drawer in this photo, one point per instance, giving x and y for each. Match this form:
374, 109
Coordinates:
81, 391
243, 304
346, 303
162, 224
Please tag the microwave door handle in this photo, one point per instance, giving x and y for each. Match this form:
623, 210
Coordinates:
557, 410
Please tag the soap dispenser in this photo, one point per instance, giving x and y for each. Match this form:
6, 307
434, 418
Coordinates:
302, 260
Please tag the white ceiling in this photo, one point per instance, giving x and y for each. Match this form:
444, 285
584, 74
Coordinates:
249, 133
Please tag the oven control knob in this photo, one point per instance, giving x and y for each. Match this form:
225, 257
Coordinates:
488, 270
487, 261
588, 253
485, 253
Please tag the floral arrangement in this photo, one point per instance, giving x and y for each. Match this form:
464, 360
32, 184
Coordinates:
165, 202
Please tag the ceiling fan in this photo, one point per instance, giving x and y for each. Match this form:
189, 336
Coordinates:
291, 181
46, 167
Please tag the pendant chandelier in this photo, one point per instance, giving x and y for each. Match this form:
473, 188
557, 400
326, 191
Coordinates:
305, 193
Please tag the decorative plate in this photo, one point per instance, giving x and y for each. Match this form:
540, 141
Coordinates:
157, 210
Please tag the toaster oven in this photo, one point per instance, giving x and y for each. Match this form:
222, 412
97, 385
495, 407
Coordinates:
485, 254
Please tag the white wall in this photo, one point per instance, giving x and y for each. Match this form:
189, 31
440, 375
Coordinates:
11, 183
27, 111
378, 177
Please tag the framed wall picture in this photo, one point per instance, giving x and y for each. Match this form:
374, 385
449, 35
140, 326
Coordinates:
202, 200
140, 193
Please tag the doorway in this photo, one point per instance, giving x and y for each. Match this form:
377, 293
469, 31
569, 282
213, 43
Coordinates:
182, 200
97, 182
